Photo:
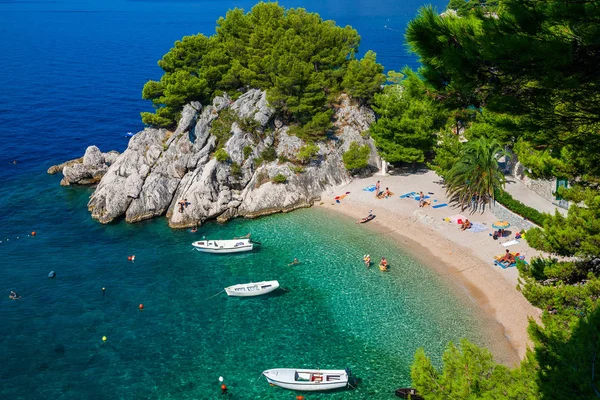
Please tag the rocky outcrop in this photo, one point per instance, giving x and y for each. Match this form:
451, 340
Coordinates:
86, 170
175, 173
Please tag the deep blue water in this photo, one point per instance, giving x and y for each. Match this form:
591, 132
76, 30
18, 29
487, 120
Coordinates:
71, 74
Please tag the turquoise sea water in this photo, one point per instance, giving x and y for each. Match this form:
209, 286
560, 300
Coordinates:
336, 313
72, 73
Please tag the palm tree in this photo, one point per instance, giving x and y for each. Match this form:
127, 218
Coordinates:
474, 177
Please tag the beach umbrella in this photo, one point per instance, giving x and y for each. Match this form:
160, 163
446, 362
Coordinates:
455, 218
501, 224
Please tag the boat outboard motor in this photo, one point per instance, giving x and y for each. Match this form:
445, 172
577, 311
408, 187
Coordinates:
352, 380
52, 274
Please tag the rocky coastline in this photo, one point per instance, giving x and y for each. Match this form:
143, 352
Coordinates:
176, 174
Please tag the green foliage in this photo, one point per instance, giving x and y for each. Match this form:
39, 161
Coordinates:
531, 214
307, 153
221, 127
464, 7
364, 78
236, 170
476, 174
300, 60
247, 151
469, 372
249, 124
447, 153
567, 354
269, 154
279, 178
161, 118
171, 93
577, 234
357, 156
297, 169
527, 77
221, 155
408, 120
316, 128
534, 61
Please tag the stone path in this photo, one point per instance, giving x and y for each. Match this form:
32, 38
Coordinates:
528, 197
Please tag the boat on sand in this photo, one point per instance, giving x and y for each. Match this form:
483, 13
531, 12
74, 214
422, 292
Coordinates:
224, 246
252, 289
308, 380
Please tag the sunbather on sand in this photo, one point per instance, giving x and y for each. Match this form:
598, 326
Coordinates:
507, 259
466, 225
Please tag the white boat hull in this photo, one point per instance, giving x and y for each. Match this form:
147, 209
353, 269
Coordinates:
223, 246
252, 289
307, 380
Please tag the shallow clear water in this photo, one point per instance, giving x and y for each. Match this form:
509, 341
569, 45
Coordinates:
336, 313
72, 73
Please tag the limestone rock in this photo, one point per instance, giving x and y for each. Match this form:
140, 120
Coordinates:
175, 173
93, 157
59, 167
124, 179
86, 170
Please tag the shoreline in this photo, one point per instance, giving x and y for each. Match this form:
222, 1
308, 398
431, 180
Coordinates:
464, 259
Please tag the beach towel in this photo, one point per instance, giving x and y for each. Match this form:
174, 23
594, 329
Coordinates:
477, 227
369, 188
510, 243
405, 195
440, 205
505, 265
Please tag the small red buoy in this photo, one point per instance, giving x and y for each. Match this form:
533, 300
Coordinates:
141, 307
299, 397
33, 233
223, 388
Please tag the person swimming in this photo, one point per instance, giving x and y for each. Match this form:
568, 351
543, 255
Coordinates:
295, 262
367, 260
383, 265
194, 229
13, 295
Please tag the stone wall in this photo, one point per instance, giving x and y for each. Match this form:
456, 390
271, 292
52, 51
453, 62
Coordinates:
543, 187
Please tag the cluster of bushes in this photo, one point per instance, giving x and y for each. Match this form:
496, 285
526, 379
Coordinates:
221, 127
357, 156
279, 178
517, 207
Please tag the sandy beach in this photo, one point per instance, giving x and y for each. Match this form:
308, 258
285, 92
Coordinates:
464, 258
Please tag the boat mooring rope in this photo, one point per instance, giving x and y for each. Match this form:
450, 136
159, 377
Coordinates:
261, 375
215, 295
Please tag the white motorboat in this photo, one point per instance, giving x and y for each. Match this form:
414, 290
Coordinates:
252, 289
308, 379
224, 246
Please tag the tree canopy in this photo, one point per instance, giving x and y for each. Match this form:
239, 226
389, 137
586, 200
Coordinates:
407, 120
302, 61
525, 73
470, 372
476, 175
534, 60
